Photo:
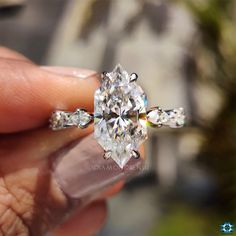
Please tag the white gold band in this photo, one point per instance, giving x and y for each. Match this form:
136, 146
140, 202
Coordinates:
63, 119
155, 117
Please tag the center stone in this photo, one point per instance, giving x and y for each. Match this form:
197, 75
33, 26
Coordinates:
119, 115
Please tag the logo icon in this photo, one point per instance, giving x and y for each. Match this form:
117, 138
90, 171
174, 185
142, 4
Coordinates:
227, 228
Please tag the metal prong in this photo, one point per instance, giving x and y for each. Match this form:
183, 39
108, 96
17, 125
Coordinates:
104, 74
135, 154
133, 77
107, 154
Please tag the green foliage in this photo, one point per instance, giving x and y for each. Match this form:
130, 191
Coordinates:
216, 23
183, 221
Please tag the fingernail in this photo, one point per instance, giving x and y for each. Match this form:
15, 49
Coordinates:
83, 171
70, 71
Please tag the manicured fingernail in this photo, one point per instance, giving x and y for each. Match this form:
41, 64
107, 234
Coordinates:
70, 71
83, 171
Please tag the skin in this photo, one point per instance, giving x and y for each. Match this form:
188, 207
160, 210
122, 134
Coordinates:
31, 202
24, 176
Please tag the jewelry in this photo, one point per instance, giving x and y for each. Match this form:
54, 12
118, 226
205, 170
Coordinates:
120, 116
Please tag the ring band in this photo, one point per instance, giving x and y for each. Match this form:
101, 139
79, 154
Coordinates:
80, 118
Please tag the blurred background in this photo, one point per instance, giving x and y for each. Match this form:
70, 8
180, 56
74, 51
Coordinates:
185, 54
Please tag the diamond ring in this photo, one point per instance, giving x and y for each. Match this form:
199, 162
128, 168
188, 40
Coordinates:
120, 116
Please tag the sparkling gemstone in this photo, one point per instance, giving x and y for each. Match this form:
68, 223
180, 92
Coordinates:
157, 116
177, 118
172, 118
59, 119
62, 119
119, 115
73, 119
79, 118
84, 118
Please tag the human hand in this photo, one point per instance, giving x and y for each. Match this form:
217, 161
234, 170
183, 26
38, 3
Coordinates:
44, 175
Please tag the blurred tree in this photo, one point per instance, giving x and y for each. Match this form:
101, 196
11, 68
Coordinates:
214, 56
216, 22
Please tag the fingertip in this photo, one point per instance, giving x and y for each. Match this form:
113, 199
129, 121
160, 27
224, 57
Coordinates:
30, 94
11, 54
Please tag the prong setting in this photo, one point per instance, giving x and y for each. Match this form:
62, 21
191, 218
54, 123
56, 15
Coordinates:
135, 154
133, 77
104, 74
107, 154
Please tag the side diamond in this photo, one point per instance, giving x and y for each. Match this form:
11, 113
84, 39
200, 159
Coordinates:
62, 119
83, 118
157, 116
177, 118
172, 118
59, 120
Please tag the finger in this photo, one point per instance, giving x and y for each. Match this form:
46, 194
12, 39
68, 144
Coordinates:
34, 147
41, 171
29, 193
117, 187
10, 54
83, 172
84, 222
29, 93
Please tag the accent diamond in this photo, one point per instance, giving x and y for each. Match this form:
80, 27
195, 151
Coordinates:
157, 116
59, 120
177, 118
172, 118
62, 119
120, 105
83, 118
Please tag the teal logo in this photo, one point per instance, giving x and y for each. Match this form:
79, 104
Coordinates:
227, 228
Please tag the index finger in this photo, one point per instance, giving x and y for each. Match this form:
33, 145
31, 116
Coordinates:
30, 93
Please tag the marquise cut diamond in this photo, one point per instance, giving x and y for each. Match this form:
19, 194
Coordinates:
119, 115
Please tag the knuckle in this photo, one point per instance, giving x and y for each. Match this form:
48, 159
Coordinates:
15, 210
29, 206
